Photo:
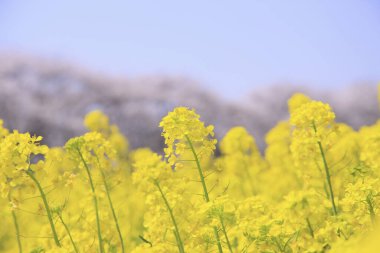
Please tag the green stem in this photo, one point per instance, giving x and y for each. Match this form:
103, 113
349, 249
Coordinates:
15, 222
30, 173
371, 209
220, 249
101, 246
205, 191
180, 249
68, 232
113, 211
327, 171
225, 234
178, 237
311, 231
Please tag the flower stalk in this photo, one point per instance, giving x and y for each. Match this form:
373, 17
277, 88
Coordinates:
327, 171
68, 232
176, 230
95, 200
113, 211
30, 173
205, 191
17, 228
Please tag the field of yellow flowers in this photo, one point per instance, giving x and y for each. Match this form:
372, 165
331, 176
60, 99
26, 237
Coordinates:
315, 189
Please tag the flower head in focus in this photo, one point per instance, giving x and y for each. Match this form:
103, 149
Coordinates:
182, 126
313, 123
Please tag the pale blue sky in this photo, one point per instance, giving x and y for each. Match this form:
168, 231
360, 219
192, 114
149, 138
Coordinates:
230, 46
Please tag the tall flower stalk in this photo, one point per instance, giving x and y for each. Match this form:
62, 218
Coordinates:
314, 124
95, 200
30, 173
206, 196
17, 228
180, 128
327, 171
58, 212
170, 210
113, 211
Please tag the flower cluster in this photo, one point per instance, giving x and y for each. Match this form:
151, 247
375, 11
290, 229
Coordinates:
182, 128
19, 156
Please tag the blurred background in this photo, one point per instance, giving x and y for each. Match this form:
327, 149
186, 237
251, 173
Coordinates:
235, 62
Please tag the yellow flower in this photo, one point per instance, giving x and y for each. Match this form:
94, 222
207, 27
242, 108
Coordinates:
314, 125
314, 113
238, 140
370, 154
16, 156
96, 121
296, 101
94, 149
181, 129
3, 131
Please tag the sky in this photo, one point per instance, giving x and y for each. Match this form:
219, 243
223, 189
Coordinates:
231, 47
